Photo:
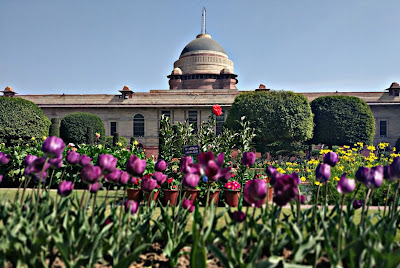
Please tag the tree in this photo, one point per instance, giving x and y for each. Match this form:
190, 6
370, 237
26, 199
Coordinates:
342, 120
74, 127
280, 118
20, 118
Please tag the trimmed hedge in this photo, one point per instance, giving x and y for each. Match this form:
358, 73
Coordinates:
20, 118
55, 127
279, 117
74, 127
342, 120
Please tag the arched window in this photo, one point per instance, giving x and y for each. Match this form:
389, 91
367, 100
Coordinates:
138, 125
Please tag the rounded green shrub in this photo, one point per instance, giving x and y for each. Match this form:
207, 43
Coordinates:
342, 120
74, 127
20, 118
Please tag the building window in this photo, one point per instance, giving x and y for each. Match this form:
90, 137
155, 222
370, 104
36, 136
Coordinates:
166, 114
113, 128
220, 122
383, 128
193, 119
138, 125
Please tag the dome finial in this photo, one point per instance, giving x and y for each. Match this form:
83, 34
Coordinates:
203, 19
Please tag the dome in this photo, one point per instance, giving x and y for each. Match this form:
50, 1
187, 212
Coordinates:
203, 42
227, 71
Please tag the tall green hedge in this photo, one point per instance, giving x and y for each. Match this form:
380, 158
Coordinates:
280, 117
20, 118
342, 120
74, 127
55, 127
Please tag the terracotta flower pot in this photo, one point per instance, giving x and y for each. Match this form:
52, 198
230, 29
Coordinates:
213, 196
191, 194
232, 197
270, 195
134, 194
150, 197
171, 196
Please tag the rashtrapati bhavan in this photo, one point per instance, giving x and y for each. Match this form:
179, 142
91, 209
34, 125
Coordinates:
201, 77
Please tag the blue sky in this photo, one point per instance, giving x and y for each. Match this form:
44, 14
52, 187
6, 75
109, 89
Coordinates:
76, 47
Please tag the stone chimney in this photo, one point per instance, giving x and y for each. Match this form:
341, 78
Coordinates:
126, 93
9, 92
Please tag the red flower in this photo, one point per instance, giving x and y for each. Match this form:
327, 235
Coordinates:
217, 110
175, 186
169, 180
233, 175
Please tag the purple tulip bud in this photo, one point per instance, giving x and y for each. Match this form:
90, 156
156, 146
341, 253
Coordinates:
1, 178
113, 176
272, 173
220, 159
160, 166
90, 174
109, 220
4, 158
301, 198
187, 204
286, 188
72, 157
211, 170
378, 173
184, 164
107, 163
323, 173
65, 188
53, 147
346, 185
395, 168
85, 160
357, 204
124, 178
36, 176
248, 158
56, 162
364, 175
238, 216
331, 159
148, 185
387, 173
93, 188
29, 159
190, 180
255, 191
37, 165
136, 166
131, 206
159, 177
224, 174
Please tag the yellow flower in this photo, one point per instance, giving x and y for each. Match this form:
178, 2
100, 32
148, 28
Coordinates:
371, 148
44, 137
336, 178
33, 138
346, 146
394, 149
280, 170
303, 178
119, 144
317, 183
97, 135
135, 142
100, 146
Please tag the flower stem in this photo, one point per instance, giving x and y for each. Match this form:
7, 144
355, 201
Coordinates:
316, 203
340, 226
207, 203
176, 223
37, 197
16, 196
298, 204
23, 192
326, 200
394, 200
369, 201
387, 199
83, 197
105, 199
51, 180
363, 209
93, 211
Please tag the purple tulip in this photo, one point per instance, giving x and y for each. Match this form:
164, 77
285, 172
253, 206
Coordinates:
272, 173
301, 198
208, 167
90, 174
29, 159
160, 166
378, 173
248, 158
190, 180
93, 188
160, 177
184, 164
331, 159
286, 188
1, 178
72, 157
53, 147
371, 178
131, 206
113, 176
187, 204
363, 175
107, 162
109, 220
124, 178
387, 173
255, 191
395, 168
85, 160
4, 158
346, 185
224, 174
37, 165
65, 188
56, 162
357, 204
323, 173
136, 166
238, 216
148, 185
36, 176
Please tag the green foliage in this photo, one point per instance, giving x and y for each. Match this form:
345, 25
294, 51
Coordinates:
115, 139
342, 120
21, 119
110, 141
74, 127
55, 127
279, 117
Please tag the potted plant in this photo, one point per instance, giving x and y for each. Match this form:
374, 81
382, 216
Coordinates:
134, 192
213, 186
171, 192
232, 193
